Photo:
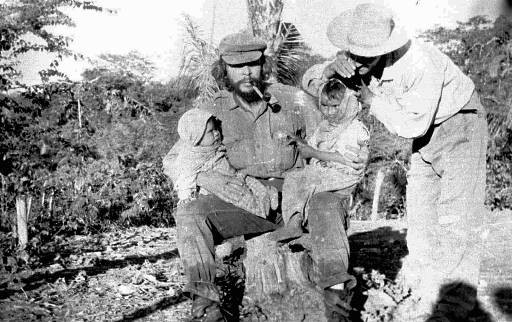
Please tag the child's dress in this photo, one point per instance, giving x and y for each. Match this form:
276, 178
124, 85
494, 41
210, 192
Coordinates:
318, 176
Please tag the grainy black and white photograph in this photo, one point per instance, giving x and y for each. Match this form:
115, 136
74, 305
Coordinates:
257, 160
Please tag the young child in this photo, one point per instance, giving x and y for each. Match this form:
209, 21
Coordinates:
200, 150
326, 146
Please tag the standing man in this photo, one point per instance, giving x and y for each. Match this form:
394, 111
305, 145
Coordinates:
251, 123
418, 92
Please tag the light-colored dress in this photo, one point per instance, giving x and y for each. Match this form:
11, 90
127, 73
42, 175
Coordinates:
299, 185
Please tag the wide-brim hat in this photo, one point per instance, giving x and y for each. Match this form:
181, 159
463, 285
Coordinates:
241, 48
368, 30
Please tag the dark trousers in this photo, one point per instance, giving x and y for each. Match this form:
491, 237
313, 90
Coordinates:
203, 222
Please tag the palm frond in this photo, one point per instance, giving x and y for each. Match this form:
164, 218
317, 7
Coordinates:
285, 45
198, 57
289, 54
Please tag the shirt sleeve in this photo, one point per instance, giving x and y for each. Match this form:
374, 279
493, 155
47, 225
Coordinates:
410, 114
312, 78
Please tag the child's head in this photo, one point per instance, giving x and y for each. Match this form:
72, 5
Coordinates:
211, 135
330, 99
198, 127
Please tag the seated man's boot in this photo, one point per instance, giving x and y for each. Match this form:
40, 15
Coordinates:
291, 230
337, 304
206, 310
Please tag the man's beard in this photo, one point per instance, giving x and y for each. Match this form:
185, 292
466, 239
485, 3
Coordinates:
251, 96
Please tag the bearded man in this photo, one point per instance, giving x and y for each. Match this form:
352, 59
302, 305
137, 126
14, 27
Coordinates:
252, 115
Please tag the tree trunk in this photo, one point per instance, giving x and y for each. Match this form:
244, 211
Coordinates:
23, 205
264, 21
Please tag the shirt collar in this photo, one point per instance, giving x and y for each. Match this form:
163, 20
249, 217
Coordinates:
404, 63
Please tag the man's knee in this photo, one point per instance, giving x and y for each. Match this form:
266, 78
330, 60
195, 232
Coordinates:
328, 200
328, 206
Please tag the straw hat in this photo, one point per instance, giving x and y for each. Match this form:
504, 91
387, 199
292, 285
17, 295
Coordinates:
368, 30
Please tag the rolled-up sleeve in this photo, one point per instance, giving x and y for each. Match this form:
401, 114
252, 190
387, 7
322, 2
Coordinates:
312, 78
411, 113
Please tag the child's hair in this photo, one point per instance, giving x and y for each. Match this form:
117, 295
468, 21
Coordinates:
334, 90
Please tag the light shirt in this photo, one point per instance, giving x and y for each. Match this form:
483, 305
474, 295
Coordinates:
422, 88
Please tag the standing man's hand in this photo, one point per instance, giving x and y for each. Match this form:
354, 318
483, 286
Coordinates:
365, 95
342, 65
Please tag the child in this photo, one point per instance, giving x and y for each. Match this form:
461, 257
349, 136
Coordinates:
326, 146
201, 150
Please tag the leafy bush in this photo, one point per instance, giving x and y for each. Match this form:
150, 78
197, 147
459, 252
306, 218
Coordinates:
89, 155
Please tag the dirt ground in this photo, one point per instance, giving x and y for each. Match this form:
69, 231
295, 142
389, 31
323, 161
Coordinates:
136, 274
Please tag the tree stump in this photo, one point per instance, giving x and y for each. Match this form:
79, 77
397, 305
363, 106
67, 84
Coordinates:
279, 282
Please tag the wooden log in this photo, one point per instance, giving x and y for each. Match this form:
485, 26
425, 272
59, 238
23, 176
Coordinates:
278, 282
23, 205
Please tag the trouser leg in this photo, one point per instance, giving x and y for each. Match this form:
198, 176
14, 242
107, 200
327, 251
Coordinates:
200, 224
330, 249
330, 252
422, 195
451, 246
461, 208
196, 247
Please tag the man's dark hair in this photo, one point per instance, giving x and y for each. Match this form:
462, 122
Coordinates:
220, 74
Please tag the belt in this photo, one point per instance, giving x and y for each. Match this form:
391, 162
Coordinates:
473, 106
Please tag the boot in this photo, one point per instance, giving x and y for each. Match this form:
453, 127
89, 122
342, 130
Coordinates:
337, 304
206, 310
291, 230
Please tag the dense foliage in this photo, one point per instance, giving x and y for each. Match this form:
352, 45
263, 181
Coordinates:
88, 154
25, 26
84, 155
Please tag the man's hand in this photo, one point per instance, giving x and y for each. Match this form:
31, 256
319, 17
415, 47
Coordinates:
294, 139
365, 95
230, 185
342, 65
305, 150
